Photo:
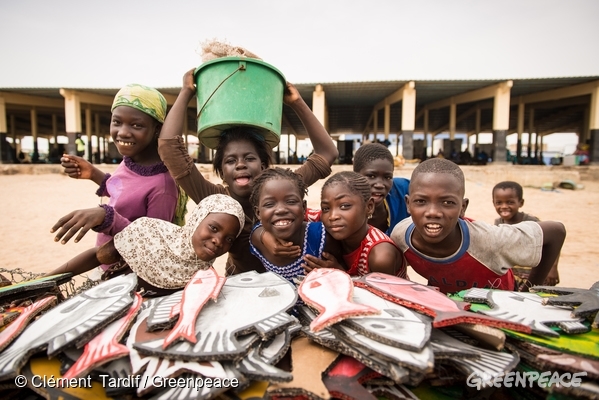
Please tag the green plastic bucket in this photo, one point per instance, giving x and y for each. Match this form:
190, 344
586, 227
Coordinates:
237, 91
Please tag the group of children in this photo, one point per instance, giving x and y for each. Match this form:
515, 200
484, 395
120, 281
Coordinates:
369, 220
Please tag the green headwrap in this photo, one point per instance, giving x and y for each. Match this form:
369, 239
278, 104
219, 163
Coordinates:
143, 98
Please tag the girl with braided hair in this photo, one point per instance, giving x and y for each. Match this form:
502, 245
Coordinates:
347, 204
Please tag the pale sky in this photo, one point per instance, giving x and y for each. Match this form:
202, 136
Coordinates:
109, 43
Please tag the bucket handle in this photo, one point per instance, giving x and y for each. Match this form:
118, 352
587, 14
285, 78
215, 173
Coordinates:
240, 68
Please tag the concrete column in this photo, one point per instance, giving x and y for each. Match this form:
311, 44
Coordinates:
97, 132
594, 127
319, 107
72, 111
13, 132
36, 155
452, 124
408, 121
531, 128
426, 134
477, 130
387, 120
520, 128
55, 131
375, 124
3, 132
501, 121
88, 133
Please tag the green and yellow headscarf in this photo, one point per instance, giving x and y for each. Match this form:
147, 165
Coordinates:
143, 98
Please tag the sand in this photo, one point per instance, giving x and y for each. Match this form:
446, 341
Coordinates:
32, 203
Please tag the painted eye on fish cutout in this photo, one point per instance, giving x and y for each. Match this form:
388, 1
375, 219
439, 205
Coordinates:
315, 284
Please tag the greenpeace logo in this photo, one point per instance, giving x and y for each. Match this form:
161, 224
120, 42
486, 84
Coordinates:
545, 379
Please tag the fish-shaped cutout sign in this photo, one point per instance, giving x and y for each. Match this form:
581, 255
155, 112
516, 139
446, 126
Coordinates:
424, 299
154, 369
20, 323
329, 338
162, 317
75, 320
259, 363
105, 346
204, 285
248, 302
470, 359
330, 291
396, 325
33, 287
587, 300
344, 379
528, 309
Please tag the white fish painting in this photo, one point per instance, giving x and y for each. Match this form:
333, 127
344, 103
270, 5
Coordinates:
248, 302
74, 321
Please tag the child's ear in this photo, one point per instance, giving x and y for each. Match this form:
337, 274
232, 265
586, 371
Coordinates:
522, 203
305, 206
406, 198
257, 212
465, 203
370, 207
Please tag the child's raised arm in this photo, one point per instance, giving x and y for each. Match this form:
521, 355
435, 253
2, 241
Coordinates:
321, 141
173, 123
554, 234
79, 168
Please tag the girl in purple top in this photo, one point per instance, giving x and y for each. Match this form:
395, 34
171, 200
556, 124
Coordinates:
141, 186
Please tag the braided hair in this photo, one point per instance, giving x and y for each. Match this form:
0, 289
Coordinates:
356, 183
276, 173
370, 152
241, 133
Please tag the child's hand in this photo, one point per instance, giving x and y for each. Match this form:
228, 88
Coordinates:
291, 95
78, 221
281, 248
327, 261
189, 81
76, 167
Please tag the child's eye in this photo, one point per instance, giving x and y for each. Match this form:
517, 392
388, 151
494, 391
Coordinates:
250, 159
230, 239
212, 228
115, 122
229, 160
324, 209
449, 202
345, 206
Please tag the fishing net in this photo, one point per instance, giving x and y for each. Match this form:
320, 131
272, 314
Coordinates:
74, 286
214, 48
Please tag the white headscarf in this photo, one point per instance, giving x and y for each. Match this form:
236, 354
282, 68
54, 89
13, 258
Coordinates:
161, 253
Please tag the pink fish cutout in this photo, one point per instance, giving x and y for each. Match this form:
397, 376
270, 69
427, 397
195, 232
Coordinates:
428, 301
330, 291
205, 284
105, 346
28, 313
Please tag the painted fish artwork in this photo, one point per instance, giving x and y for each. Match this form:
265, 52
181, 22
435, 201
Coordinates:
76, 320
27, 314
344, 378
328, 337
152, 369
424, 299
203, 286
161, 318
105, 346
471, 359
586, 300
396, 325
330, 291
528, 309
248, 302
32, 288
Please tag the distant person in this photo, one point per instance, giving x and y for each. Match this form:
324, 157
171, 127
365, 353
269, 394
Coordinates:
141, 186
507, 200
454, 253
80, 146
440, 154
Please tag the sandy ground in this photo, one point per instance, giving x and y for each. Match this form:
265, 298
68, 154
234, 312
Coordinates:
31, 204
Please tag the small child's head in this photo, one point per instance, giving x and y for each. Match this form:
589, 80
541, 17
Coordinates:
375, 162
508, 199
138, 113
278, 200
346, 205
436, 198
167, 255
240, 156
216, 222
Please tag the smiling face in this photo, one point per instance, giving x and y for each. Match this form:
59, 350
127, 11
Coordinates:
379, 173
281, 209
345, 213
214, 236
507, 204
134, 133
435, 202
241, 164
